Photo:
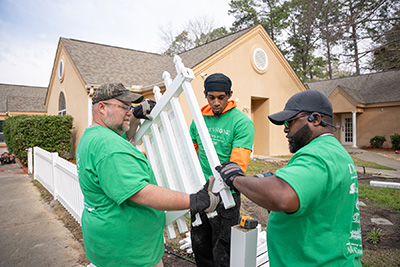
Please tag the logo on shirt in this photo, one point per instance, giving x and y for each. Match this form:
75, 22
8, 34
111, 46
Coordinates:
219, 130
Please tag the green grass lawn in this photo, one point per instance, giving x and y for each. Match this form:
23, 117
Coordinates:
380, 196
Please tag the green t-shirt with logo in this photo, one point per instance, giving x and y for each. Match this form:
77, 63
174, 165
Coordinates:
117, 231
231, 129
326, 230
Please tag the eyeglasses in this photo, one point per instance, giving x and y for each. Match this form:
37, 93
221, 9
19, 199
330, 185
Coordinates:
287, 122
125, 107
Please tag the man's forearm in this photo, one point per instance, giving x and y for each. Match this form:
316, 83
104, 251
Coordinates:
134, 124
241, 156
161, 198
269, 192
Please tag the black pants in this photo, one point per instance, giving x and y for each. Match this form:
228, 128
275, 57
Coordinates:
211, 240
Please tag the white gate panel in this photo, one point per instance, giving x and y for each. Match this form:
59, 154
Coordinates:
169, 147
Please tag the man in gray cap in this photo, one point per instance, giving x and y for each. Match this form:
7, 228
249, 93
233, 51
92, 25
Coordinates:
232, 133
123, 219
315, 217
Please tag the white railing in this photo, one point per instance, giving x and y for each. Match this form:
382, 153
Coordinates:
60, 178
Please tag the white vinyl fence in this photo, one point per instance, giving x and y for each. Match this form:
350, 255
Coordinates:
60, 178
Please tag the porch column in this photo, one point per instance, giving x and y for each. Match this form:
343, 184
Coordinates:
91, 93
89, 111
354, 129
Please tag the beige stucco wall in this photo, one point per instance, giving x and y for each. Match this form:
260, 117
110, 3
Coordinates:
382, 120
76, 96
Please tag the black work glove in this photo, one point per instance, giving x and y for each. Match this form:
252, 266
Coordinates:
143, 110
204, 200
229, 171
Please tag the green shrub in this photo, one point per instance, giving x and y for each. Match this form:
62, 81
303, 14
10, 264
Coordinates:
52, 133
377, 141
395, 139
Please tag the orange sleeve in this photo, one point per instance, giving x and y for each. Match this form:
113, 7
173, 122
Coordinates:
241, 156
196, 147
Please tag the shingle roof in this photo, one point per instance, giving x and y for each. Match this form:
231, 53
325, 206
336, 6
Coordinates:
98, 63
196, 55
22, 98
367, 88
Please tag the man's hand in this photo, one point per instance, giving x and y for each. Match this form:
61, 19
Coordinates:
143, 110
204, 200
229, 171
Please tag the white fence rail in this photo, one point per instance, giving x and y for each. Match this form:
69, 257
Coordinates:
60, 178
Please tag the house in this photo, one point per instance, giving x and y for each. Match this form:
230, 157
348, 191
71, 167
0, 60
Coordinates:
262, 79
364, 106
20, 100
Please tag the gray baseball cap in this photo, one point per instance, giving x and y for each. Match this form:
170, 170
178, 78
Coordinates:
308, 101
115, 90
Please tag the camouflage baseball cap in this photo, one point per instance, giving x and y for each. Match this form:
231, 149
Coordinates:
115, 90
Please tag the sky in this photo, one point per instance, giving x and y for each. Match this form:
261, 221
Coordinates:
30, 29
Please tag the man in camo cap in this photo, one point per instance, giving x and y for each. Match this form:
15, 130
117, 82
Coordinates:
123, 220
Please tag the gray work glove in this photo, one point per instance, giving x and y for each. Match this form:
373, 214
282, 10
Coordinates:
229, 171
204, 200
143, 110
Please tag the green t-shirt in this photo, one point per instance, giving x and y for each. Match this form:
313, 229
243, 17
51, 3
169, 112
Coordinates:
231, 129
117, 231
325, 231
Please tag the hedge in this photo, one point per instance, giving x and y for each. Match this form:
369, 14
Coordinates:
377, 141
52, 133
395, 139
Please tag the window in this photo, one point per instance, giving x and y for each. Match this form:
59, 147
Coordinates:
348, 130
62, 110
61, 70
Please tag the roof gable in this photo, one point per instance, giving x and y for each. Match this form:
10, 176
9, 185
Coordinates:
365, 89
342, 101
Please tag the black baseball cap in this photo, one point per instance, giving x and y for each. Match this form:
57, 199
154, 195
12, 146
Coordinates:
308, 101
217, 82
115, 90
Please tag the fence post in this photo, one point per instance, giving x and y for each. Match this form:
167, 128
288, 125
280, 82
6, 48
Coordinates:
30, 160
243, 247
34, 163
54, 157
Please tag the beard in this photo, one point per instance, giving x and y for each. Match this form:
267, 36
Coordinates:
301, 138
119, 128
218, 113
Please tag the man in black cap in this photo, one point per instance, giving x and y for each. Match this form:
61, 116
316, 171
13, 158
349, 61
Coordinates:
123, 220
315, 217
232, 133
